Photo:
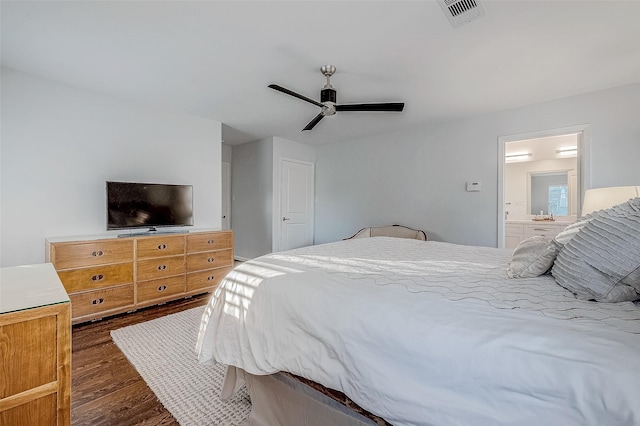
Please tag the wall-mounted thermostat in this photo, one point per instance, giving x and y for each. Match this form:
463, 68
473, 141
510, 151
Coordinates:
473, 186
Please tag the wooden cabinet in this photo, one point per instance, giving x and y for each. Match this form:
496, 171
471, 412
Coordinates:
35, 347
106, 276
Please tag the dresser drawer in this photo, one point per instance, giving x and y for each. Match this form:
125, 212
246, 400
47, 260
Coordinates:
208, 260
152, 269
95, 302
159, 289
206, 279
165, 245
209, 241
83, 279
96, 252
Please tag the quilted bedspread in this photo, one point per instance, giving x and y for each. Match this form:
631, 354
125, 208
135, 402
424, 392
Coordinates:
429, 333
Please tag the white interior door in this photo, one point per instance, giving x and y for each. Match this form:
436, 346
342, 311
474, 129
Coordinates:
296, 204
226, 196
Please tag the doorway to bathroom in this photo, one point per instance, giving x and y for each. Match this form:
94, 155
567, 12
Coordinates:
542, 176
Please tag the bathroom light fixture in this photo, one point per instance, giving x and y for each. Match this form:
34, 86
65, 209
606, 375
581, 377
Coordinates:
517, 156
568, 151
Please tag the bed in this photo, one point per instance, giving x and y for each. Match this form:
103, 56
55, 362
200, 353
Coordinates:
427, 333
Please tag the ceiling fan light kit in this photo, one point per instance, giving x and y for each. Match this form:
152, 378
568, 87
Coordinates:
328, 100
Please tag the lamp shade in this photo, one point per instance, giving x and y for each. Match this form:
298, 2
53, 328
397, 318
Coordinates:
603, 198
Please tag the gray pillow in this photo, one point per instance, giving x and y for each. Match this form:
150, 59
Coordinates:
532, 257
602, 261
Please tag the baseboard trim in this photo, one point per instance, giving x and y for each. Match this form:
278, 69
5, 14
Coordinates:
240, 258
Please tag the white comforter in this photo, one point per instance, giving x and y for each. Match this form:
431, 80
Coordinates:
429, 333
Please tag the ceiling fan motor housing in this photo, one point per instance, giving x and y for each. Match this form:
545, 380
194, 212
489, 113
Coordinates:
328, 95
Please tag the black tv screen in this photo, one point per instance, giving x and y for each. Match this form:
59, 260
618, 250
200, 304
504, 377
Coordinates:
138, 205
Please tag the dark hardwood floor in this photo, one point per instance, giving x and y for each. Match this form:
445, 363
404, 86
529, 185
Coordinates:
105, 388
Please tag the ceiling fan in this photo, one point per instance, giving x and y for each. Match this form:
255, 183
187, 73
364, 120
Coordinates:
328, 100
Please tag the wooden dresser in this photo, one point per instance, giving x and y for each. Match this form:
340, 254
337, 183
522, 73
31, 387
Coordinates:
106, 276
35, 347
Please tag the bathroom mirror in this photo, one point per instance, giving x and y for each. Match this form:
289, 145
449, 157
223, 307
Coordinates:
549, 193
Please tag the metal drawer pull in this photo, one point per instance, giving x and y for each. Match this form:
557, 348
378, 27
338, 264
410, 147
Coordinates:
97, 253
162, 267
211, 241
162, 288
211, 277
98, 277
97, 301
162, 246
211, 259
540, 229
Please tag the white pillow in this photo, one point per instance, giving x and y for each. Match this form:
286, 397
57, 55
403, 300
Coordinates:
532, 257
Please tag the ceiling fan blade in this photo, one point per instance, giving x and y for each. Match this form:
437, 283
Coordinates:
384, 107
294, 94
313, 122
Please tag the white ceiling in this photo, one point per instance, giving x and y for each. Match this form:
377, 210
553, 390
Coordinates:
215, 58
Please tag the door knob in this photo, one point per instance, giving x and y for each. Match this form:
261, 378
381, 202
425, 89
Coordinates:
285, 218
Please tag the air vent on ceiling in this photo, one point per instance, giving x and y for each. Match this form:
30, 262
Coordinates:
460, 12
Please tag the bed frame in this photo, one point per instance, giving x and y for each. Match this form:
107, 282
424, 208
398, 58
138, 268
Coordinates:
285, 399
398, 231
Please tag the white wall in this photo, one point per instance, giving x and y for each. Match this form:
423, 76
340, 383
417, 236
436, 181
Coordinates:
251, 198
417, 177
60, 145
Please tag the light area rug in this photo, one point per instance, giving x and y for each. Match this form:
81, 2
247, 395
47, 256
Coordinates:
163, 352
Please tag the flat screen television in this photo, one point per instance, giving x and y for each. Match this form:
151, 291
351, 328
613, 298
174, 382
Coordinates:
148, 205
